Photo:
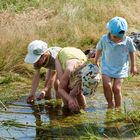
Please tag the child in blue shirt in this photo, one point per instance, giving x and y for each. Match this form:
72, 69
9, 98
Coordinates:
116, 50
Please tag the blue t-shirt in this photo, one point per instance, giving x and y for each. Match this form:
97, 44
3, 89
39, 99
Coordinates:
115, 56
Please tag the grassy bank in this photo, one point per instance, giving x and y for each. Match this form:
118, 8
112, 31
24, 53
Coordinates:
78, 23
64, 23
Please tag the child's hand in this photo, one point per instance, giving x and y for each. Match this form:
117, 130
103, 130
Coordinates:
133, 70
92, 60
73, 105
42, 95
30, 99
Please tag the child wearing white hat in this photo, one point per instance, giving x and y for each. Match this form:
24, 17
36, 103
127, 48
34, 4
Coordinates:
41, 56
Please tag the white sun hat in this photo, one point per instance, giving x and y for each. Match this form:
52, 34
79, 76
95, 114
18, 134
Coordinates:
35, 49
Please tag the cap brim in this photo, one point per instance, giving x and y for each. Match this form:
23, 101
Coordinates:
121, 35
31, 58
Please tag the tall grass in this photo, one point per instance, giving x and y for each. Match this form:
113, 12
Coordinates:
17, 5
77, 23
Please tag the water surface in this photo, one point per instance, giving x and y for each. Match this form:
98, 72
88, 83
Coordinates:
23, 121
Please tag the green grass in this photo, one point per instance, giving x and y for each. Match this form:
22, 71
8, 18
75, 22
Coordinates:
78, 23
13, 86
17, 5
63, 23
134, 116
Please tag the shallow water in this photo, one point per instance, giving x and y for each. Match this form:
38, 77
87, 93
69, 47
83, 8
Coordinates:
22, 121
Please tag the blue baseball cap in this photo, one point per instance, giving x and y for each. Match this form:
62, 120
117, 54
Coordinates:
117, 26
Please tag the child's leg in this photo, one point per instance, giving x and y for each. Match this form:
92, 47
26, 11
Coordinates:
49, 82
107, 86
117, 91
56, 83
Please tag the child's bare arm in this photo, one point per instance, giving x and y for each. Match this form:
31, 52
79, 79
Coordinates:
64, 85
97, 55
133, 69
73, 105
74, 91
58, 68
35, 83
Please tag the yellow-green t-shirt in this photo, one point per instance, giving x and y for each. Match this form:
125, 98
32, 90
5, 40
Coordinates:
68, 53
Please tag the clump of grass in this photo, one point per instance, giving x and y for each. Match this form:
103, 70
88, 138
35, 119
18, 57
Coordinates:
13, 86
8, 78
80, 24
17, 5
134, 116
87, 41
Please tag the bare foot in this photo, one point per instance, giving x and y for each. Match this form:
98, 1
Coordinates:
110, 106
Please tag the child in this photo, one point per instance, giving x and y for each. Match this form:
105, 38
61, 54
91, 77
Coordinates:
115, 48
41, 56
90, 53
75, 77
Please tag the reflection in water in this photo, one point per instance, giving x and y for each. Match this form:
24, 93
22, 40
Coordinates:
115, 124
43, 125
21, 121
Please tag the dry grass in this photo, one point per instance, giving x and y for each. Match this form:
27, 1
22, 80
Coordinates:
63, 23
78, 23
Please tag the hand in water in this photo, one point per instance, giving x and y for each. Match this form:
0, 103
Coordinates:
73, 104
30, 99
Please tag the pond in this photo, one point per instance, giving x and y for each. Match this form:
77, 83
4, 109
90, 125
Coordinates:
22, 121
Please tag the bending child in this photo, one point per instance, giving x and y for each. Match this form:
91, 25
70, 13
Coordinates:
77, 78
41, 56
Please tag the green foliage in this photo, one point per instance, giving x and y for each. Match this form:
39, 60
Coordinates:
9, 78
17, 5
87, 41
134, 116
2, 63
78, 23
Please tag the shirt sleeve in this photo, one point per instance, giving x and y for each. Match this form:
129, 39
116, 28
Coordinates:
54, 51
99, 45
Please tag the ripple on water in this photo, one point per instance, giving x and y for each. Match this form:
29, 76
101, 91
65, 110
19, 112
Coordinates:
21, 120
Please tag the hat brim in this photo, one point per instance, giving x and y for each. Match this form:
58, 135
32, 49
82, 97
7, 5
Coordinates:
31, 58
